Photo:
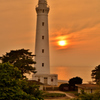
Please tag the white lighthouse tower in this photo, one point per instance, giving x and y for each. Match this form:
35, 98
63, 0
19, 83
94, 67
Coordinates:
42, 46
42, 39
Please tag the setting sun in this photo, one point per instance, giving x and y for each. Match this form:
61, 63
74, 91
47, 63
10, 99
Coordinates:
62, 43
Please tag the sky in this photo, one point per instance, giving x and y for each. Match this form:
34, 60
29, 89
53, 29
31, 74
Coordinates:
76, 21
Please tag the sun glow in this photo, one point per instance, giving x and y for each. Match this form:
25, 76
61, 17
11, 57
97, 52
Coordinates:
62, 43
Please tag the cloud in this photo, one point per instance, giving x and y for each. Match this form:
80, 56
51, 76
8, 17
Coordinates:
76, 36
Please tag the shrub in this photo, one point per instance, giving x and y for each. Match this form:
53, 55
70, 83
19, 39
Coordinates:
13, 87
64, 87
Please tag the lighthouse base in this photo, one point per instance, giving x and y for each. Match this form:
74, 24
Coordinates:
46, 79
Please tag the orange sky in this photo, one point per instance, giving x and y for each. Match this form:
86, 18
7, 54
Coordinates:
77, 21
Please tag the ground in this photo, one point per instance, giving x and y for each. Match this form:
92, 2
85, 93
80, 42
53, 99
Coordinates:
68, 96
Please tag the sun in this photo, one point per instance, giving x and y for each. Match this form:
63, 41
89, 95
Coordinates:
62, 43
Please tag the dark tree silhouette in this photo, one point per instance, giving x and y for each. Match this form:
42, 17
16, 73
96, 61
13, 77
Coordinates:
73, 81
96, 74
64, 87
22, 59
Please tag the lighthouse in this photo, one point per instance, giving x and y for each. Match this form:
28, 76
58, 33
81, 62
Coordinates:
42, 46
42, 38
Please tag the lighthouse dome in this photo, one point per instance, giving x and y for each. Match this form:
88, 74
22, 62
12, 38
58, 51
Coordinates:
43, 1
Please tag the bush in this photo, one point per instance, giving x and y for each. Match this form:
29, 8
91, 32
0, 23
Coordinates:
13, 87
64, 87
77, 94
85, 96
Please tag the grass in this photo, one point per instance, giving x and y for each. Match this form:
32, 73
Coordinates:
72, 92
58, 96
53, 95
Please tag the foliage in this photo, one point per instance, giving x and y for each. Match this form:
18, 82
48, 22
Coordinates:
71, 86
12, 86
20, 58
73, 81
46, 95
96, 74
32, 89
64, 87
96, 96
77, 94
85, 96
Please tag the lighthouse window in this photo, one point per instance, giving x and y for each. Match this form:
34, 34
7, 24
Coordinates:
42, 64
42, 50
43, 10
42, 23
45, 77
38, 80
43, 37
52, 80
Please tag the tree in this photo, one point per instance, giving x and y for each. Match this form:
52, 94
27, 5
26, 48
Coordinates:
32, 89
22, 59
13, 87
64, 87
96, 74
73, 81
10, 83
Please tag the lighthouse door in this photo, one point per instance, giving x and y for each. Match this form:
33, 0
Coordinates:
45, 80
